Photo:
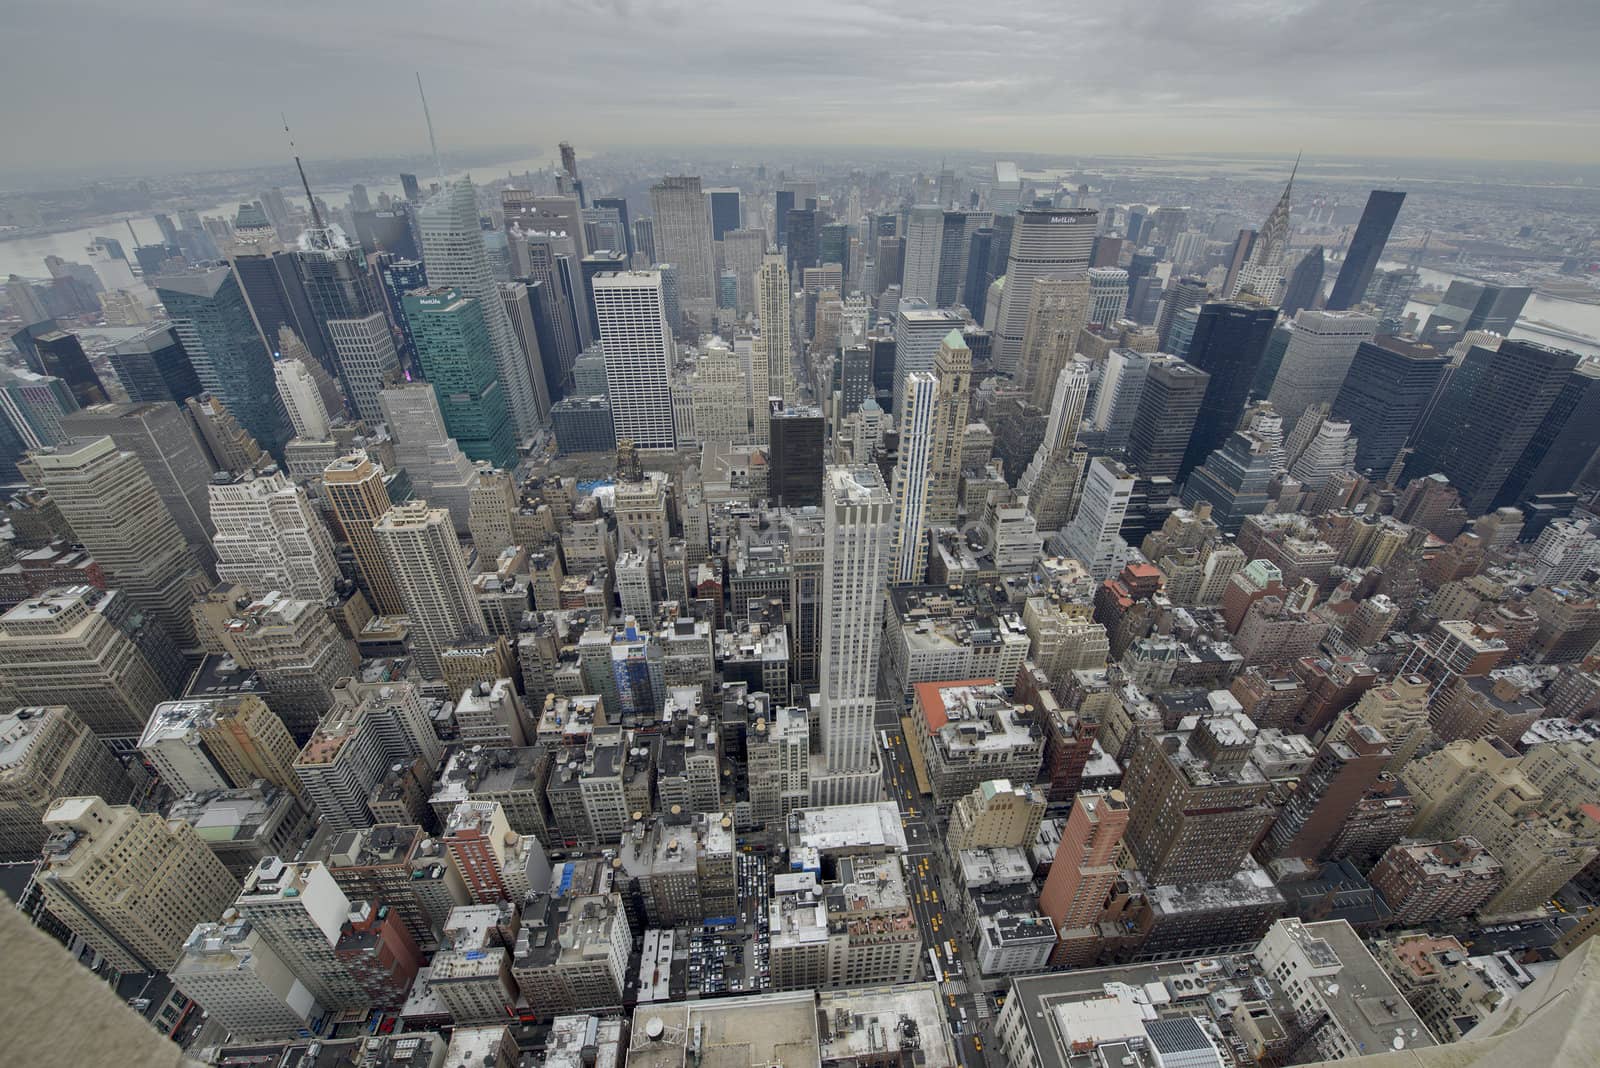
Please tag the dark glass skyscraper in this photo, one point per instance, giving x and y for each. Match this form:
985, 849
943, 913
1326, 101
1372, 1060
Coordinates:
270, 280
1184, 293
49, 350
1384, 394
1165, 418
1229, 340
154, 367
795, 457
1488, 414
801, 240
1305, 282
782, 205
975, 290
387, 230
1474, 306
212, 320
1565, 442
1366, 248
833, 245
399, 277
620, 206
725, 213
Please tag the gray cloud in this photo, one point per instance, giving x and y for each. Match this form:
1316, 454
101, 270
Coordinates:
97, 81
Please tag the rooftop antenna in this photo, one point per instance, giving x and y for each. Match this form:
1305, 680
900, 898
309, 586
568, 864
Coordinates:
316, 216
437, 166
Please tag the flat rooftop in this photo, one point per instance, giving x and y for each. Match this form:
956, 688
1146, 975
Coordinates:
777, 1030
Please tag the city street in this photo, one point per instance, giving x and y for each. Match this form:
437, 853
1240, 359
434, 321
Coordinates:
929, 885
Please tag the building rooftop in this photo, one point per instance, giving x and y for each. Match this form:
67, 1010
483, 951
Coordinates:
868, 1025
772, 1030
848, 828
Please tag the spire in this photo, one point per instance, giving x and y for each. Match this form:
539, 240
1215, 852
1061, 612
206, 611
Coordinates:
316, 216
1273, 244
434, 145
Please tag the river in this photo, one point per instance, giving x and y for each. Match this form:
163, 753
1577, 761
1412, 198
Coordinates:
25, 256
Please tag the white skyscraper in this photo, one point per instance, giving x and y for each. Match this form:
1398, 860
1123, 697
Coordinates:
919, 328
1117, 399
857, 516
773, 303
1047, 243
639, 354
431, 572
1094, 535
301, 399
683, 237
366, 351
1321, 348
924, 238
1330, 451
452, 245
1066, 415
912, 477
269, 537
1108, 294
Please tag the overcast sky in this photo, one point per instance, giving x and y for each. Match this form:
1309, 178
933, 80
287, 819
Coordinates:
95, 82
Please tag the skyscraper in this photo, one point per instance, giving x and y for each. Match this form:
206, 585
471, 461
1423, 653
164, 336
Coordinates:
794, 471
49, 753
954, 247
1486, 417
131, 884
165, 442
773, 295
301, 399
857, 517
1384, 394
153, 367
975, 289
1265, 273
1321, 348
439, 471
913, 474
620, 206
683, 237
269, 537
1093, 535
1083, 872
431, 574
1366, 248
952, 367
1305, 282
1046, 243
457, 356
919, 279
726, 213
1174, 391
111, 504
1229, 340
1469, 306
639, 353
269, 277
918, 332
231, 360
1181, 294
452, 245
1108, 294
368, 360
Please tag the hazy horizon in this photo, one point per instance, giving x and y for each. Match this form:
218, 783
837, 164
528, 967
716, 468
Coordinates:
182, 84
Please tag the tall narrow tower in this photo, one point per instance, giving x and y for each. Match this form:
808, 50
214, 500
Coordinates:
1366, 248
1082, 874
773, 305
857, 514
913, 474
952, 367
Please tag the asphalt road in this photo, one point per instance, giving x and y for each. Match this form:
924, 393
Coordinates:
930, 886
